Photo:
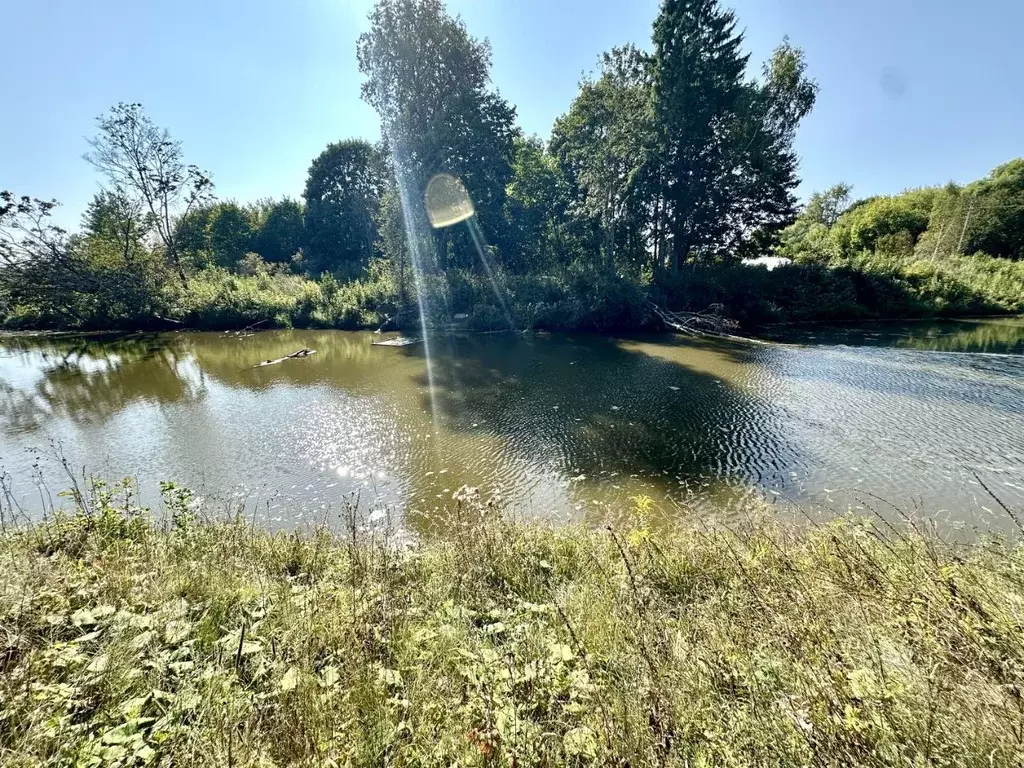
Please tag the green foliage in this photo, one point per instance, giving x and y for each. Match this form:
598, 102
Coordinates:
997, 212
132, 643
427, 78
535, 204
909, 252
606, 144
866, 222
229, 233
48, 279
145, 166
668, 168
279, 233
725, 145
342, 196
192, 235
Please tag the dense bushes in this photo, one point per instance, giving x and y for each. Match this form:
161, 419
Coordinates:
869, 286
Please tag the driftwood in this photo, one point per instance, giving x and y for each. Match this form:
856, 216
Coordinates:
304, 352
710, 322
397, 341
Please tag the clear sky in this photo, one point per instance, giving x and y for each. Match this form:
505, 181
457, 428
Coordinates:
912, 93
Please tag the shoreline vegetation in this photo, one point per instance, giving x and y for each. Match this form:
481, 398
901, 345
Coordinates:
129, 640
756, 298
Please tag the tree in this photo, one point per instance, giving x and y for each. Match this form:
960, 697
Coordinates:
229, 233
192, 234
143, 164
342, 194
725, 145
996, 205
697, 92
427, 79
808, 238
826, 207
606, 143
280, 230
535, 206
69, 281
864, 224
119, 222
759, 178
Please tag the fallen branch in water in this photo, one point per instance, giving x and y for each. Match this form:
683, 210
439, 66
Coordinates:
304, 352
248, 330
710, 322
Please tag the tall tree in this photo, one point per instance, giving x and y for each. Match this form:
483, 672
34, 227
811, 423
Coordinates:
427, 78
343, 191
725, 144
605, 142
759, 177
697, 90
144, 164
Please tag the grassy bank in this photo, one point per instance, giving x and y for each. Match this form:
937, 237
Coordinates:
571, 299
186, 643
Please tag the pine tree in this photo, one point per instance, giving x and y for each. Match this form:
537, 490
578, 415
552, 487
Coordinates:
698, 90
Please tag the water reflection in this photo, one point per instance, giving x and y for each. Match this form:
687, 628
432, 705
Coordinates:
91, 378
557, 425
1003, 335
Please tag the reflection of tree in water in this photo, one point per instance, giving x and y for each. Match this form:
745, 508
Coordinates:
594, 407
91, 378
1005, 336
521, 412
342, 357
1000, 335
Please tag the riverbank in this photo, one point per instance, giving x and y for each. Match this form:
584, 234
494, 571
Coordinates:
211, 643
576, 298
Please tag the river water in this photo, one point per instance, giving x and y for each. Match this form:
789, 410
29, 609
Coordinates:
557, 426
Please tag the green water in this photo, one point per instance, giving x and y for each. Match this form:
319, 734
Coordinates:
558, 426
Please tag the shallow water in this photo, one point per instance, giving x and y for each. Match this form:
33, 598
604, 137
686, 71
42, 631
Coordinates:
556, 425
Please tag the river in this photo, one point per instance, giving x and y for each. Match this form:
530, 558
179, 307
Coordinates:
558, 426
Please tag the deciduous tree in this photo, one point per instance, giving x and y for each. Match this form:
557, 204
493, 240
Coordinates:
144, 164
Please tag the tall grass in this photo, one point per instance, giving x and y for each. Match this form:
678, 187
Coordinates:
179, 642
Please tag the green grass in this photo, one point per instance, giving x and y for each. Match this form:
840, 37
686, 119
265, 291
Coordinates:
129, 642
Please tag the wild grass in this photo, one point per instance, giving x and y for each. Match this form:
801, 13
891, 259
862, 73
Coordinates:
129, 641
575, 296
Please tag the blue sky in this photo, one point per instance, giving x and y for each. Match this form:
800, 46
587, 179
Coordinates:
912, 93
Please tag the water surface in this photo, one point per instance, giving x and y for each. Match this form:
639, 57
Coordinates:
568, 426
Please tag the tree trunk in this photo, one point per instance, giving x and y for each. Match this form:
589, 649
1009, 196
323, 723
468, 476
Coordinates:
179, 268
658, 206
440, 251
679, 251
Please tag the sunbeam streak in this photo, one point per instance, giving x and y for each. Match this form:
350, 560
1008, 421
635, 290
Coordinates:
481, 249
448, 203
408, 220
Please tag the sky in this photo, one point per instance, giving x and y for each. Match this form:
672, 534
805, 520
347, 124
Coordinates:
911, 93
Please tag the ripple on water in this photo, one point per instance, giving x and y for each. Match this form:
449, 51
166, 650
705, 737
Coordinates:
553, 423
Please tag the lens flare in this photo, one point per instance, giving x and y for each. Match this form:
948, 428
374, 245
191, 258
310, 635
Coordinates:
447, 201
